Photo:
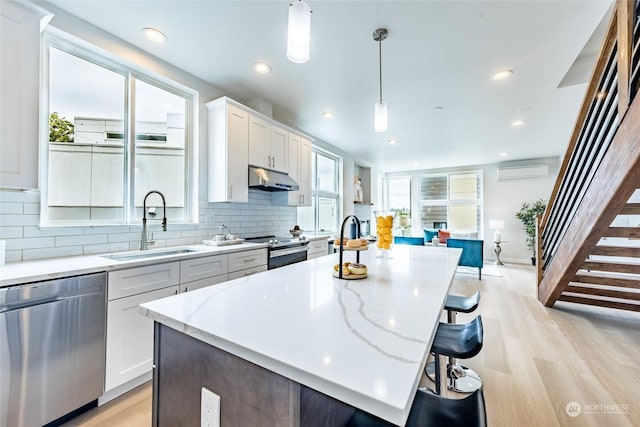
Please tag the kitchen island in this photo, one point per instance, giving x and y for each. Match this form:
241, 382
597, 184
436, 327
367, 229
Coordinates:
296, 346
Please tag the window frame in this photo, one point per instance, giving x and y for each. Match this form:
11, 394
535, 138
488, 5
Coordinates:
447, 202
68, 44
317, 194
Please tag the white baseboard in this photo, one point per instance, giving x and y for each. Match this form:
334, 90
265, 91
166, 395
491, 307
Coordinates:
122, 389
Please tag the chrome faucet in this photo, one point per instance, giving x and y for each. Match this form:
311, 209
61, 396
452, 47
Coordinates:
143, 238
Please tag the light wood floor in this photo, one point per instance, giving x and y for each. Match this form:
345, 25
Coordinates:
535, 361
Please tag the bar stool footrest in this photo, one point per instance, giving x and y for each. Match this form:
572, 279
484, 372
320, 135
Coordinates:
464, 380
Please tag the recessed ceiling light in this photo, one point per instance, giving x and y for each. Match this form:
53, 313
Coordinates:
328, 114
503, 154
517, 123
393, 141
154, 35
261, 68
500, 75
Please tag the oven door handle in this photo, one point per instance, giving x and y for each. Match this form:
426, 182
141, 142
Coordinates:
288, 251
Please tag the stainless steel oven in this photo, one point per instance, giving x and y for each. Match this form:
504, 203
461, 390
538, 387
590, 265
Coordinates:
283, 250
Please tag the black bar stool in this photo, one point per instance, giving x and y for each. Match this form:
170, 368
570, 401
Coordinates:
429, 410
464, 380
456, 341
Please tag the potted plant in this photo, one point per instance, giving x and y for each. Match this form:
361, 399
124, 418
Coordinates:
404, 217
528, 214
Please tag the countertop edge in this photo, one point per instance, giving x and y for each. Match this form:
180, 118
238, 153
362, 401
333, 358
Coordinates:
19, 273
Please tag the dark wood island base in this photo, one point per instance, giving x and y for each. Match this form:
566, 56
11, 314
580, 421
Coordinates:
249, 394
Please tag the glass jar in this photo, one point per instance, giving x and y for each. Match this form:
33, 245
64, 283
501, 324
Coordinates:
384, 233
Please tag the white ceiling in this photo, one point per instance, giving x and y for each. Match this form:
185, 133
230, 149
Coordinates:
437, 54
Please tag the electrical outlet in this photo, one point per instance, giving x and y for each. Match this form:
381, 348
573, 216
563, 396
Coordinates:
209, 409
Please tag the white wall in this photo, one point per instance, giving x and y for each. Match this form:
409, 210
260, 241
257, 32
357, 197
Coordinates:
502, 199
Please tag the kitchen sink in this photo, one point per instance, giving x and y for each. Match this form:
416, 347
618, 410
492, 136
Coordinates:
149, 254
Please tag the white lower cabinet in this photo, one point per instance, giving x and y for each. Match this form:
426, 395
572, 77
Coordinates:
203, 283
130, 334
202, 268
247, 259
130, 337
247, 272
317, 248
246, 263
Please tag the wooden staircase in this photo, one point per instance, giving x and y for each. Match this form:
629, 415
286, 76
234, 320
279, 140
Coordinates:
588, 239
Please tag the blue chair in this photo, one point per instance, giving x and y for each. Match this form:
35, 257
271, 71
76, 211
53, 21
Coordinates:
471, 252
408, 240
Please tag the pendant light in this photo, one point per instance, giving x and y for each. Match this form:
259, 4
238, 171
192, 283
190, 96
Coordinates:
380, 118
299, 34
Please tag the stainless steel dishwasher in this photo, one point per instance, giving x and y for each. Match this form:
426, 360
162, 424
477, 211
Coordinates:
52, 348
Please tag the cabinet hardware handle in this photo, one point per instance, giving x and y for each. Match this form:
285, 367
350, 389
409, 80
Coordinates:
176, 292
249, 259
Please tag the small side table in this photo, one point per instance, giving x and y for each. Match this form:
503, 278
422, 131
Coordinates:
497, 250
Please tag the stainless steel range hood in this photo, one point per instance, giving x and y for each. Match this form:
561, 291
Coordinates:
269, 180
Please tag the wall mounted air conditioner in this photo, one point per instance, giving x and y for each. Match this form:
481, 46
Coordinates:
522, 172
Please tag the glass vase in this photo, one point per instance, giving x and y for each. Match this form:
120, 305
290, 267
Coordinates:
384, 233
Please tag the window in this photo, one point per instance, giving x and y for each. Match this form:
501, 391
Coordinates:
452, 201
114, 135
399, 200
324, 212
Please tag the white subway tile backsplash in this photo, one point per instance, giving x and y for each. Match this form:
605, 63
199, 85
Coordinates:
34, 231
11, 208
26, 240
30, 243
182, 241
109, 229
16, 219
13, 256
111, 247
20, 196
123, 237
10, 232
31, 254
32, 208
89, 239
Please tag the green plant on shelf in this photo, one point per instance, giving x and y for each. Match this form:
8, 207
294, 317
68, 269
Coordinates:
403, 224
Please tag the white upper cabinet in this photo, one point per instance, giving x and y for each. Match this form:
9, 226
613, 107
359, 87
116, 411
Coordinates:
19, 56
259, 142
300, 170
239, 137
228, 152
279, 146
304, 171
268, 144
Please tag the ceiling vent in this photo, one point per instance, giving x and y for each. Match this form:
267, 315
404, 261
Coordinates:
522, 172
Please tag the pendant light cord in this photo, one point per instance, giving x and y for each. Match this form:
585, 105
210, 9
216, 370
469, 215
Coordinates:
380, 65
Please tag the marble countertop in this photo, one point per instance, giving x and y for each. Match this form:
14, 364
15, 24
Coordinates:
363, 342
46, 269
